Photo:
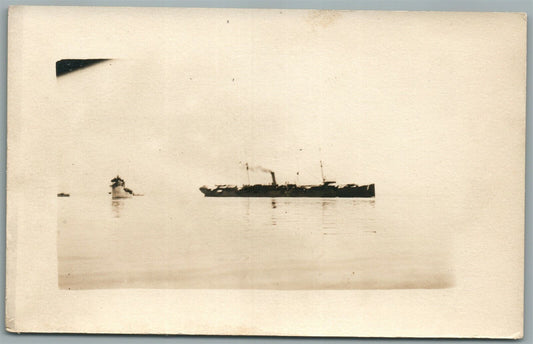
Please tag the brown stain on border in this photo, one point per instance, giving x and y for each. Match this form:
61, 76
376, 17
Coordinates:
323, 18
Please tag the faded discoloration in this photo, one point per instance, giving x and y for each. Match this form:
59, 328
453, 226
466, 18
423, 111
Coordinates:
323, 18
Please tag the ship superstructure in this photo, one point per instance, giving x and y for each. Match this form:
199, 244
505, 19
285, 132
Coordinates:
119, 189
326, 189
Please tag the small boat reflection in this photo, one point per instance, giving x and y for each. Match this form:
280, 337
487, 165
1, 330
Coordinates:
116, 207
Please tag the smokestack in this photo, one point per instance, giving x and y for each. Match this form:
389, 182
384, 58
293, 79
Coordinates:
273, 178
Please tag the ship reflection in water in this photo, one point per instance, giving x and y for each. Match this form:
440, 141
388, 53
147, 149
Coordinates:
116, 207
326, 207
172, 241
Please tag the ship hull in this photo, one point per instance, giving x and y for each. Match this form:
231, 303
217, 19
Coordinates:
361, 191
119, 192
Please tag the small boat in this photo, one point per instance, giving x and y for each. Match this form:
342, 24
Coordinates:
62, 194
119, 189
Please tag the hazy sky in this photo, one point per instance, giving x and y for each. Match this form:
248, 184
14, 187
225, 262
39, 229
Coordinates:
413, 104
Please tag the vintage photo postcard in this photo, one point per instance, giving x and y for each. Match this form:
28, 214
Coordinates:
265, 172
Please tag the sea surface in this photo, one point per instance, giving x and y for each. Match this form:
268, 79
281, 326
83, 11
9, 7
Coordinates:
171, 241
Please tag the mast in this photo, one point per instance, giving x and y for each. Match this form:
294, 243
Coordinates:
248, 173
298, 166
322, 172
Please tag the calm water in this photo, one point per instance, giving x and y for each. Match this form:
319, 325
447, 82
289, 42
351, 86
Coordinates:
165, 241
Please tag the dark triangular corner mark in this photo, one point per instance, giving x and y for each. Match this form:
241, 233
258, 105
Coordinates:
71, 65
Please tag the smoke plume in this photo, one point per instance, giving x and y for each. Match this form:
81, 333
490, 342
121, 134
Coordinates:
258, 168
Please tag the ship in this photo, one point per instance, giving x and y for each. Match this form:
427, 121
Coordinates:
62, 194
119, 189
328, 188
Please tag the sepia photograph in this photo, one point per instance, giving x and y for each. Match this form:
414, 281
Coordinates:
313, 157
175, 194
